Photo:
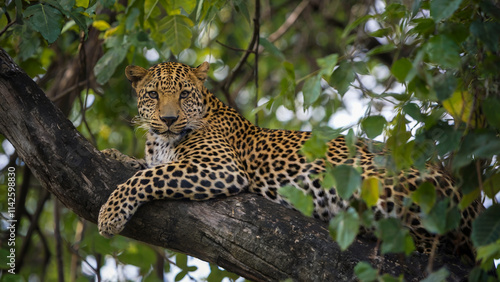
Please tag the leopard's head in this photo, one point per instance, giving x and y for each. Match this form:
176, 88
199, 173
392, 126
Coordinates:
169, 97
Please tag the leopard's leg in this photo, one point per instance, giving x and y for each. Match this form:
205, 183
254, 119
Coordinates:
124, 159
176, 180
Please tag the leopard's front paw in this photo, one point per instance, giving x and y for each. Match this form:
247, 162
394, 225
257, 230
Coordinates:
111, 220
114, 154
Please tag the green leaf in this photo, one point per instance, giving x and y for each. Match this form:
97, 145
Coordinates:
370, 190
467, 199
441, 219
328, 180
132, 18
487, 254
299, 200
490, 110
373, 126
385, 48
46, 20
424, 27
443, 51
311, 90
381, 32
327, 64
389, 278
106, 66
445, 85
395, 238
492, 185
443, 9
342, 77
488, 33
476, 145
218, 275
413, 110
316, 146
425, 196
344, 227
29, 44
486, 227
241, 6
394, 12
401, 68
365, 272
269, 47
149, 5
437, 276
348, 180
66, 8
401, 149
354, 24
139, 255
187, 5
448, 138
177, 30
351, 140
180, 275
361, 68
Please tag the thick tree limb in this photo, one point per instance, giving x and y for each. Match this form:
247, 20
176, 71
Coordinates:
245, 234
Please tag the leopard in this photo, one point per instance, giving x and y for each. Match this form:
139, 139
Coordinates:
198, 148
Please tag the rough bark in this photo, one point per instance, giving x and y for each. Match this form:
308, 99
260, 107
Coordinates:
245, 234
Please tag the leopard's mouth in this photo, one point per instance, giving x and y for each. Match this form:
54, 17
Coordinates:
169, 132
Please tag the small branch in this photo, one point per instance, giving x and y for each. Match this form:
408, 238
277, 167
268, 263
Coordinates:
233, 48
433, 254
33, 226
289, 21
46, 252
74, 252
69, 90
75, 257
256, 31
57, 235
160, 265
10, 22
229, 80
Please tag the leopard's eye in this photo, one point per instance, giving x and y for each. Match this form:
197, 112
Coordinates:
184, 94
152, 94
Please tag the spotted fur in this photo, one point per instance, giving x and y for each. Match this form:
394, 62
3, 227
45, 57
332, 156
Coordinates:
198, 148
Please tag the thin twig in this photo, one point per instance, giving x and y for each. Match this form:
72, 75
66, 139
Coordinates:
69, 90
58, 239
160, 265
46, 252
256, 31
75, 252
289, 21
433, 254
33, 226
242, 60
83, 65
233, 48
252, 48
9, 23
75, 258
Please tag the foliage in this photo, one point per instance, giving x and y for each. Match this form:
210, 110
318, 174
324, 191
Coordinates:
425, 74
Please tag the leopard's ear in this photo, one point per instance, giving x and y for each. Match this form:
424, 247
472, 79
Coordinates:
135, 74
201, 71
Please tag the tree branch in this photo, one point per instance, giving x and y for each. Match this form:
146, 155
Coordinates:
245, 234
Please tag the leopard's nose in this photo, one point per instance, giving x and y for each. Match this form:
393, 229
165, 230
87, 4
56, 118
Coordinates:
169, 120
